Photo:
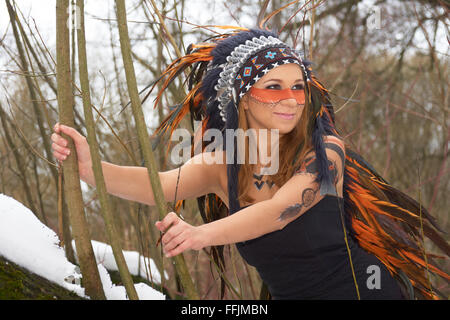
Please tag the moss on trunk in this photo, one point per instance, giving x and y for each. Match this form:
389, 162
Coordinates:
17, 283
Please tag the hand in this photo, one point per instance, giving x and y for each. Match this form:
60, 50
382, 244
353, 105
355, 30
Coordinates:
181, 236
61, 150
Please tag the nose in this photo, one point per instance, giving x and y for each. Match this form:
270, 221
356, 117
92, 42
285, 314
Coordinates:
289, 102
295, 98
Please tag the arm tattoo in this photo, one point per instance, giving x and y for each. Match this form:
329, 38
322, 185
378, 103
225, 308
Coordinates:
308, 196
310, 166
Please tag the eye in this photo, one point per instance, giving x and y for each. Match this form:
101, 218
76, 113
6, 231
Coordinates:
274, 87
299, 86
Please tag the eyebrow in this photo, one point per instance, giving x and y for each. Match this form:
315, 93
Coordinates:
279, 80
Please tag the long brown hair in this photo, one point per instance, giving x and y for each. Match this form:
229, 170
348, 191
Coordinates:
293, 147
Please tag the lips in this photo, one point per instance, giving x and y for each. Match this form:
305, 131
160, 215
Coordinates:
285, 116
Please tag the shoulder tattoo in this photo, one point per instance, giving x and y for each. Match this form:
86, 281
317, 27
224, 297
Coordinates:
339, 151
310, 166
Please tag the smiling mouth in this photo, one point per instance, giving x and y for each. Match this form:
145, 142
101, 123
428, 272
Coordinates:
287, 116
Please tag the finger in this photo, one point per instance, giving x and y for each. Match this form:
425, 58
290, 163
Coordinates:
71, 132
172, 233
160, 226
56, 138
60, 149
173, 242
185, 245
175, 235
170, 219
59, 156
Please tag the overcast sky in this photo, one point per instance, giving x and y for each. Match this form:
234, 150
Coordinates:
43, 11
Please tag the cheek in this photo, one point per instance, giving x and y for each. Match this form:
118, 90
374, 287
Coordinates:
300, 112
261, 115
293, 124
259, 111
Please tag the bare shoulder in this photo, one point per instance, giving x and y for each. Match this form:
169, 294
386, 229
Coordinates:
335, 140
208, 162
335, 149
211, 167
335, 144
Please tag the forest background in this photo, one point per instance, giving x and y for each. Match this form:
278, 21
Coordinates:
386, 64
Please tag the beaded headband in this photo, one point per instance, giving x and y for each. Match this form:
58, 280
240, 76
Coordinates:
247, 63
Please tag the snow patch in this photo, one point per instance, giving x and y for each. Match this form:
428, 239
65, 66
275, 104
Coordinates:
30, 244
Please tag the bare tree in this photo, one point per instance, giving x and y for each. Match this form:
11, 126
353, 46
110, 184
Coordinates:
74, 198
96, 163
143, 138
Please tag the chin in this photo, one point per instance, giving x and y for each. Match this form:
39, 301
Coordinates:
285, 132
285, 129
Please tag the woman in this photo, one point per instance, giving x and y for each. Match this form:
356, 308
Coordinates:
289, 224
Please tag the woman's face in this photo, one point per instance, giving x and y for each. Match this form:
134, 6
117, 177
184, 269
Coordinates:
273, 108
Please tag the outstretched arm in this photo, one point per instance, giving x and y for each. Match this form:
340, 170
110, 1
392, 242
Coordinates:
197, 177
293, 199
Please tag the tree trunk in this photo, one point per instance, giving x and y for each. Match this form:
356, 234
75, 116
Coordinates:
96, 162
144, 139
80, 228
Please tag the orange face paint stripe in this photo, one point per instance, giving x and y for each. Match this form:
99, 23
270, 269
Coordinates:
275, 96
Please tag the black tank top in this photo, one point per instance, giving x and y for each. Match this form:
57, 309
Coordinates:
308, 259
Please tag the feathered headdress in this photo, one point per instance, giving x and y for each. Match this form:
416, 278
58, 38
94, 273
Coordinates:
384, 221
